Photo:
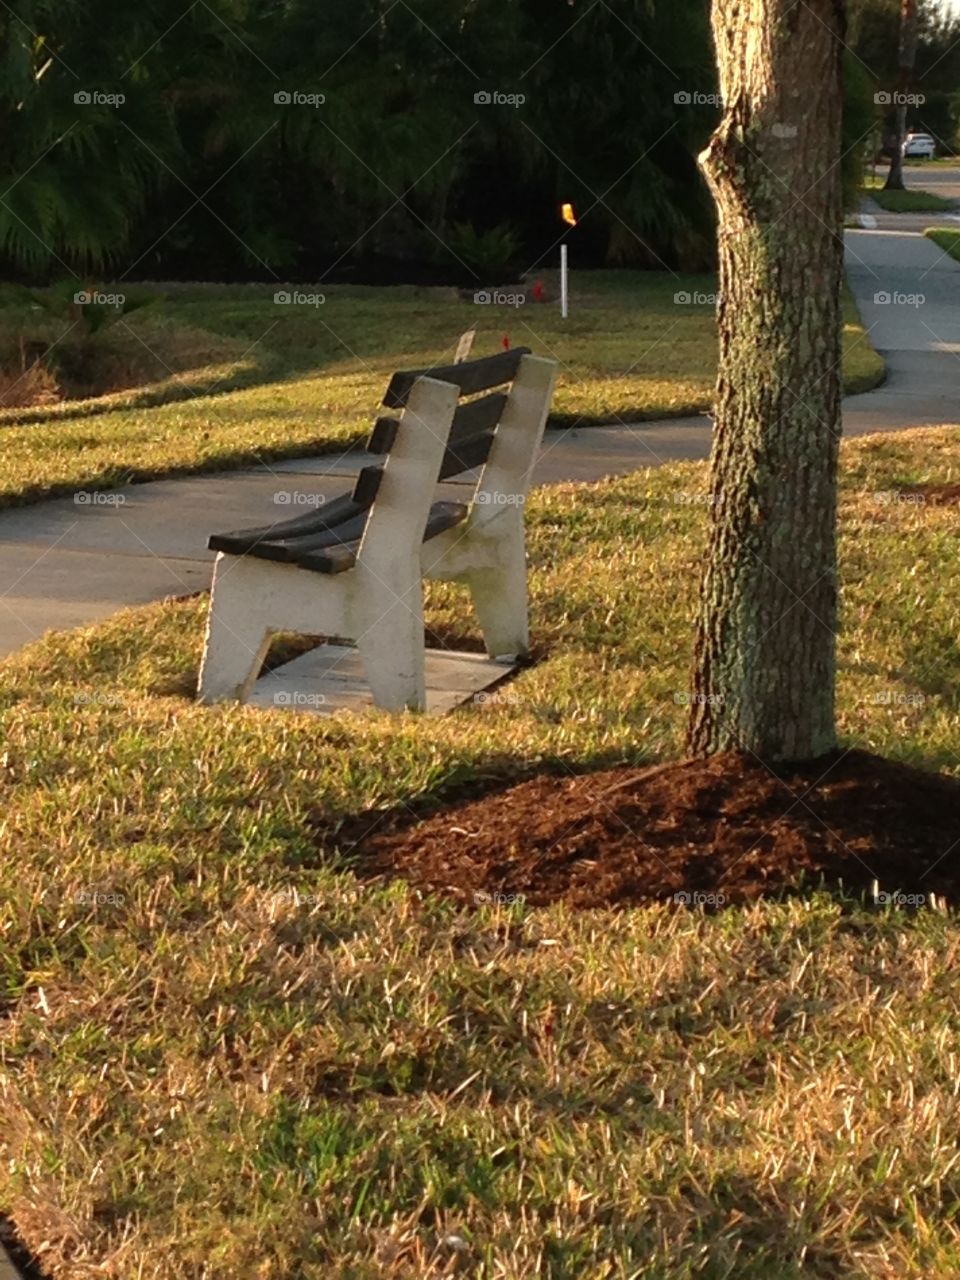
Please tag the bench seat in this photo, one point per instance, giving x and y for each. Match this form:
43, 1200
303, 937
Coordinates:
327, 541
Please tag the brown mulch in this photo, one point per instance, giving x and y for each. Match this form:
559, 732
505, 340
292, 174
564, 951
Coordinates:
725, 827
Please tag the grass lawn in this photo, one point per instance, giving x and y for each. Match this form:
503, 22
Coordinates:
945, 238
222, 1056
910, 201
629, 351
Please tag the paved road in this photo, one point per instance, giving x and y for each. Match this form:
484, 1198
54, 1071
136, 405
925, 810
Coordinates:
943, 181
63, 564
874, 218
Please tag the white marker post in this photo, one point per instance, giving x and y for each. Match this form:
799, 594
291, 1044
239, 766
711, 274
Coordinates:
569, 216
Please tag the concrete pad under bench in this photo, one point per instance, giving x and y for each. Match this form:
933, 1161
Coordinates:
331, 678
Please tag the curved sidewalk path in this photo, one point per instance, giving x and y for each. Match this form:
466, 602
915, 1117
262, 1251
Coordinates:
64, 565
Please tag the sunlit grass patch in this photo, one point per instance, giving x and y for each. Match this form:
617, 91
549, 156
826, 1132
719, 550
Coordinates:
629, 351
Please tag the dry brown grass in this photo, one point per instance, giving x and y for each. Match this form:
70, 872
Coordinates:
25, 381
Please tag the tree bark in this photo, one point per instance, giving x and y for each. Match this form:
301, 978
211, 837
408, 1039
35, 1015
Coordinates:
907, 62
765, 656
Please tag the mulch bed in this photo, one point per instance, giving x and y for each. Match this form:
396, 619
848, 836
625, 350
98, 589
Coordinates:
723, 827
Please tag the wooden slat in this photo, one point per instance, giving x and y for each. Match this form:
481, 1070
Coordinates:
383, 436
268, 541
289, 552
466, 454
470, 419
333, 560
367, 486
443, 516
471, 376
323, 531
478, 416
328, 516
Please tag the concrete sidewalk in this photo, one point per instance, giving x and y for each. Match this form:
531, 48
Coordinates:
908, 294
64, 564
907, 291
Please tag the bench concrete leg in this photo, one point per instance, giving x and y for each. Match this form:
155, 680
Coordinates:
238, 636
392, 649
500, 599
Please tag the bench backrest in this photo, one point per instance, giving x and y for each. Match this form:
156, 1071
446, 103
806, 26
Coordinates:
486, 413
475, 422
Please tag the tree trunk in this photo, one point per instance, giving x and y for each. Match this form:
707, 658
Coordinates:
765, 658
907, 63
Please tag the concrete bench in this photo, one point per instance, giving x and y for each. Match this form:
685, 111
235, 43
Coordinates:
354, 568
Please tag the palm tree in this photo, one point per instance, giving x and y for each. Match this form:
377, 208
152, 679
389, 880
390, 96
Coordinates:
87, 121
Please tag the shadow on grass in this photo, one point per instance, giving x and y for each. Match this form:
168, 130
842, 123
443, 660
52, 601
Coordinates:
28, 1267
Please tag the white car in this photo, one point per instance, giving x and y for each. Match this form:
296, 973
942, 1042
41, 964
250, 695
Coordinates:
919, 146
